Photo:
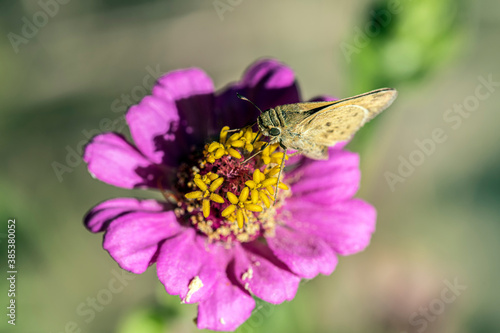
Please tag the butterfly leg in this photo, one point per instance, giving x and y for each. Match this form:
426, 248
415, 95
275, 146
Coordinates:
257, 153
294, 154
168, 195
279, 174
256, 137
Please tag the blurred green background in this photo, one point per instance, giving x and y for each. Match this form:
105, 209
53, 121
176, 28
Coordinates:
439, 221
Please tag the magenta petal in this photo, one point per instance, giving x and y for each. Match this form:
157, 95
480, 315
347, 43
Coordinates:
256, 268
327, 181
132, 239
99, 217
152, 121
226, 309
270, 73
306, 255
346, 226
191, 92
267, 83
184, 83
113, 160
182, 259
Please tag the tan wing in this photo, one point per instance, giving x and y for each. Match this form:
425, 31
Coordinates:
374, 101
339, 121
318, 153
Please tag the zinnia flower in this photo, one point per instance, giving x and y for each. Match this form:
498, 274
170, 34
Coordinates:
217, 238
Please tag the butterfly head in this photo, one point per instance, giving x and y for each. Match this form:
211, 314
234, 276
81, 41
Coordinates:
267, 126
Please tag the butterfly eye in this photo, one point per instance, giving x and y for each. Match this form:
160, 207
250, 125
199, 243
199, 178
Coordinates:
274, 131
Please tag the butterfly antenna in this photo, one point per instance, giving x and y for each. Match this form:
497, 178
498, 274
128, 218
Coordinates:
246, 99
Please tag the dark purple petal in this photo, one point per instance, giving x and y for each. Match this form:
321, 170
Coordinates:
326, 181
184, 258
260, 272
99, 217
113, 160
267, 83
132, 239
191, 92
305, 254
346, 226
226, 308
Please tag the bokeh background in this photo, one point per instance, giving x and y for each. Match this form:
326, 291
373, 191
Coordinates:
440, 222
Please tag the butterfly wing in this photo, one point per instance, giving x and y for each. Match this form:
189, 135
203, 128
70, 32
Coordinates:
374, 101
340, 120
317, 153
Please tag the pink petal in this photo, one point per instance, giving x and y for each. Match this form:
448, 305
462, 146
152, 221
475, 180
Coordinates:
226, 309
183, 258
99, 217
267, 83
327, 181
256, 268
113, 160
190, 91
306, 255
269, 73
132, 239
346, 226
153, 123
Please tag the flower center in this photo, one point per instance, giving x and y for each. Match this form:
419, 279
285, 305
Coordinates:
228, 192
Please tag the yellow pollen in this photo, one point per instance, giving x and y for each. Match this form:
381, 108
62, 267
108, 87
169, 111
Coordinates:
208, 184
239, 205
269, 156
